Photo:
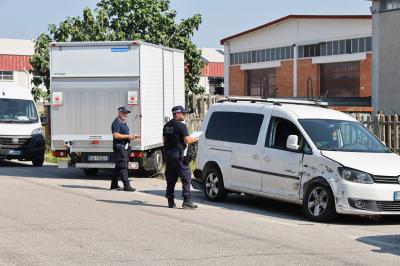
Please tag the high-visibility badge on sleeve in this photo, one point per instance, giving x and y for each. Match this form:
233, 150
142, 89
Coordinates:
132, 98
57, 99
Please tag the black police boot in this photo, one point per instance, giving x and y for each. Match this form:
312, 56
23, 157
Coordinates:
188, 204
171, 203
127, 187
114, 185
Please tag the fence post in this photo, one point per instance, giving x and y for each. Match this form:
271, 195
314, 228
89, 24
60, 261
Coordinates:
383, 128
376, 125
396, 133
389, 132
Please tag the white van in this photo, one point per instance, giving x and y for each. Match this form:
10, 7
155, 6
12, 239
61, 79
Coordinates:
21, 135
292, 151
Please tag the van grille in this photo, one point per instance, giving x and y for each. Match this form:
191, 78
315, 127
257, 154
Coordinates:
388, 206
386, 179
14, 142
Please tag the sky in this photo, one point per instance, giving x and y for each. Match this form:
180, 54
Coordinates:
26, 19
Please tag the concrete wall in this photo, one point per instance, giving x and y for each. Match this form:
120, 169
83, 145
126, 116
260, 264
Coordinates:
301, 31
389, 62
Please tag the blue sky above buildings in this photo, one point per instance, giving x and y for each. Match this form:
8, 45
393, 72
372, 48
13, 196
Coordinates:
26, 19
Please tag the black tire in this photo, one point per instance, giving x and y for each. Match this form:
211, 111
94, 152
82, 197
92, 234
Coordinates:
319, 203
90, 171
214, 188
158, 161
38, 162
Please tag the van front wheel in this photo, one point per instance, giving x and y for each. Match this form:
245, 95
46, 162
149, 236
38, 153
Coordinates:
214, 185
318, 203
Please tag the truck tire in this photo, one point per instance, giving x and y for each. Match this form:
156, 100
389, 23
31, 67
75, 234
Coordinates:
91, 171
158, 160
38, 162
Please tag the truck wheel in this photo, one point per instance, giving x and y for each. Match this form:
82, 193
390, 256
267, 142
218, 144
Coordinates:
214, 184
318, 203
158, 160
37, 162
90, 171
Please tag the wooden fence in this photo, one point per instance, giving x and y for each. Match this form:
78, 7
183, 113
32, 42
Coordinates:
200, 104
385, 127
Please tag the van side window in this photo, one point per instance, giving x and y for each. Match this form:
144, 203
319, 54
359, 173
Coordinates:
278, 132
234, 127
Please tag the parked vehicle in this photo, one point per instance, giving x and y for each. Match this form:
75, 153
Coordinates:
300, 152
90, 80
21, 134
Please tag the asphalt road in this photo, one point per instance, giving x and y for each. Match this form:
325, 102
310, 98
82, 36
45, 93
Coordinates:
51, 216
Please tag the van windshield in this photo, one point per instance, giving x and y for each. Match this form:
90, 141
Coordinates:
17, 111
340, 135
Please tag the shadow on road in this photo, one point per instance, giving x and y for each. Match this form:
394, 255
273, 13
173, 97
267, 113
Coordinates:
134, 203
385, 243
282, 210
84, 187
8, 168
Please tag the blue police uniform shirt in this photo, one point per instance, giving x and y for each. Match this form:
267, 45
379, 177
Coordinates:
174, 133
121, 127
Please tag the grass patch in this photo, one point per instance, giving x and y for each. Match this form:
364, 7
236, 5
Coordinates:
51, 159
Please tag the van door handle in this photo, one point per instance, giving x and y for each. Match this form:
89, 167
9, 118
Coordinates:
267, 158
256, 157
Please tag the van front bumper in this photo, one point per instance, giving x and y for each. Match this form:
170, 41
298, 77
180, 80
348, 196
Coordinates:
367, 199
33, 147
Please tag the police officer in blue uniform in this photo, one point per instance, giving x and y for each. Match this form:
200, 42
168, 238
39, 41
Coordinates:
121, 147
176, 138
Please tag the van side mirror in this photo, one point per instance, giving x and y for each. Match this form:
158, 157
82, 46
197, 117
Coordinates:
292, 143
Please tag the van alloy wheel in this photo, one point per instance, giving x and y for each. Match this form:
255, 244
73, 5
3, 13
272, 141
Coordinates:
317, 201
212, 185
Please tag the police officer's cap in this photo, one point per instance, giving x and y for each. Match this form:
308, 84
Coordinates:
123, 109
179, 109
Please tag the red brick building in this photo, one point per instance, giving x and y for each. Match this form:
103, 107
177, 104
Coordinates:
285, 57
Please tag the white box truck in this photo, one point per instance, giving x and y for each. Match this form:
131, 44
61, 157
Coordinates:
90, 80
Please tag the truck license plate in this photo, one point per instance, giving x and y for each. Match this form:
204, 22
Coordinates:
12, 152
396, 196
98, 158
133, 165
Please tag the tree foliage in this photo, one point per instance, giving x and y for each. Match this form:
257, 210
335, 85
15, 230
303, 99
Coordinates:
119, 20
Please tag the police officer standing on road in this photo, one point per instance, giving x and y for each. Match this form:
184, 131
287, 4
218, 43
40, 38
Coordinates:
121, 147
176, 137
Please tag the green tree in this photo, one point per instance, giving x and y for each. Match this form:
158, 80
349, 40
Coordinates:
120, 20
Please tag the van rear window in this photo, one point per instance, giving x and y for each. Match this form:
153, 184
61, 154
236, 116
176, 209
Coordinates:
235, 127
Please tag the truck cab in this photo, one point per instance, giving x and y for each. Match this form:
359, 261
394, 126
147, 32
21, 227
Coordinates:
21, 134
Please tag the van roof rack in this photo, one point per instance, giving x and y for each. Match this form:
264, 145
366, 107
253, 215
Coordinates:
275, 101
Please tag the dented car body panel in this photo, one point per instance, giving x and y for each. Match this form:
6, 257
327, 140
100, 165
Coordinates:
251, 143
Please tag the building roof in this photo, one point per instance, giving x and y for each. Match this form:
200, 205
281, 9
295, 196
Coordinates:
289, 17
213, 69
16, 47
212, 55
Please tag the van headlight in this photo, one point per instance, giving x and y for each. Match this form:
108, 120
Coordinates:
355, 176
37, 131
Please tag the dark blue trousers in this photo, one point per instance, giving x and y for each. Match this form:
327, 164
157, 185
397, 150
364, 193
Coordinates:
175, 168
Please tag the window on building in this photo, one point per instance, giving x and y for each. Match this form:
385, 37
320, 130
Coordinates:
335, 49
261, 82
235, 127
348, 46
387, 5
6, 75
368, 44
361, 45
340, 79
354, 46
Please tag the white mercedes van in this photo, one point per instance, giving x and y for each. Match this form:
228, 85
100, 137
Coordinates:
21, 135
300, 152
